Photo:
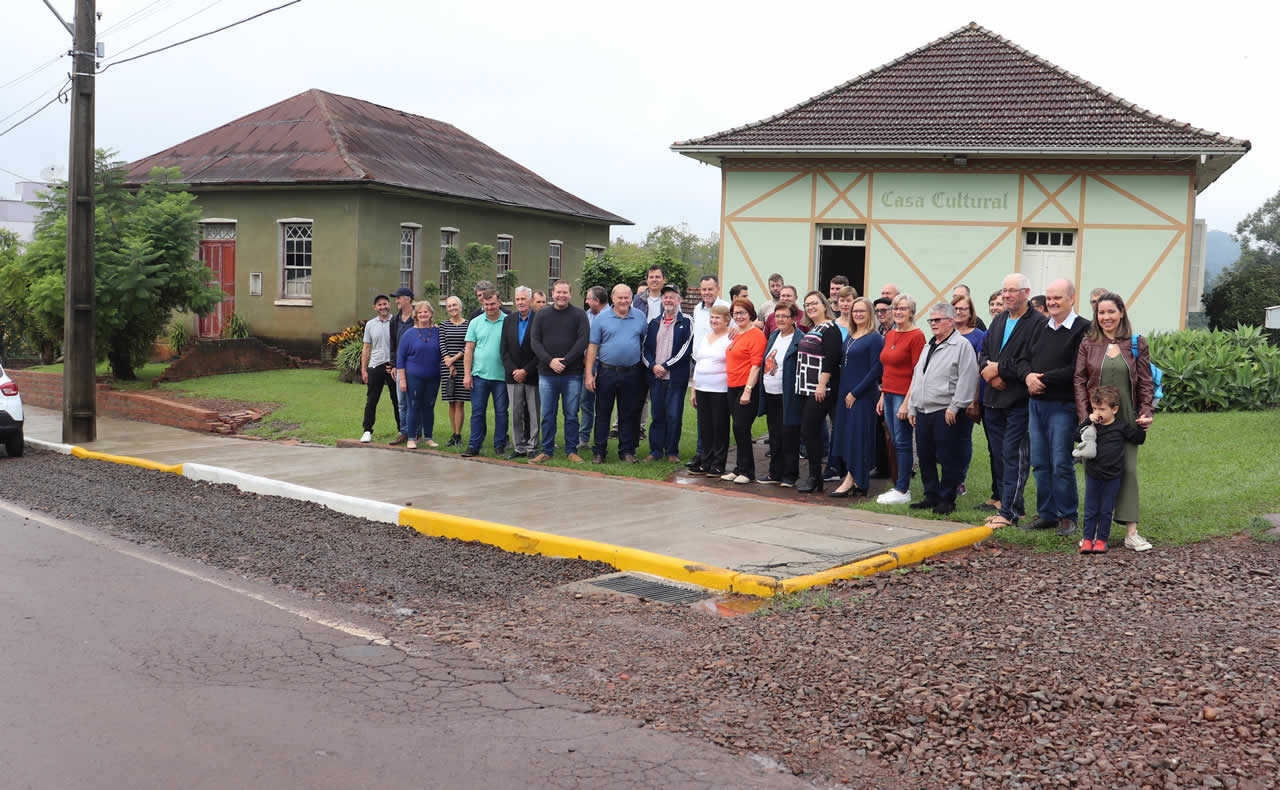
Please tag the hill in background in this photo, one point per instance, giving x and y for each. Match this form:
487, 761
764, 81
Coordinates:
1220, 252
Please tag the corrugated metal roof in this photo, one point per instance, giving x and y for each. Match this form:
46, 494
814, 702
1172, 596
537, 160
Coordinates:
971, 89
322, 137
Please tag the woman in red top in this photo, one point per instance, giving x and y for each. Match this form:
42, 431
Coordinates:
902, 347
743, 361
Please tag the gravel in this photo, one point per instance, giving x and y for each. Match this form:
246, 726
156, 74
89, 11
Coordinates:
989, 667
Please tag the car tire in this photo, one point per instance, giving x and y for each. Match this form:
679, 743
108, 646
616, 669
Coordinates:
15, 445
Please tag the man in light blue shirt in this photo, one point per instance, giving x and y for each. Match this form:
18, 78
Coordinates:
485, 375
614, 372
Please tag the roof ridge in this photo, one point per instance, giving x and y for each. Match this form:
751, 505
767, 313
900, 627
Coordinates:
322, 102
974, 27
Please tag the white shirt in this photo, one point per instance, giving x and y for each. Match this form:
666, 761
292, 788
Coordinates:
702, 324
1067, 322
652, 304
773, 381
711, 374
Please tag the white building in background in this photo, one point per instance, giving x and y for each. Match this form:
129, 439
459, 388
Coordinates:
19, 213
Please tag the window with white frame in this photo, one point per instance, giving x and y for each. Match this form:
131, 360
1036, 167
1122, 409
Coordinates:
504, 254
448, 239
296, 258
408, 256
595, 251
553, 263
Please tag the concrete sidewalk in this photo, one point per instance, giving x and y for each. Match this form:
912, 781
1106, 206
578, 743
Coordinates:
742, 533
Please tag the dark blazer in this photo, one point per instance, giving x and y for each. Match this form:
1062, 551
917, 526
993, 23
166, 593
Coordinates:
792, 405
1015, 392
679, 364
1089, 372
516, 354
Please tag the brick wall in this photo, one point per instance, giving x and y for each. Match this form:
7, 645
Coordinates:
45, 390
211, 357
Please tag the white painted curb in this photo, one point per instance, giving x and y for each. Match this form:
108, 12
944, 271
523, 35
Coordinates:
64, 449
352, 506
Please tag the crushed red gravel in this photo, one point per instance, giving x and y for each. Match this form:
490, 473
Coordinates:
990, 668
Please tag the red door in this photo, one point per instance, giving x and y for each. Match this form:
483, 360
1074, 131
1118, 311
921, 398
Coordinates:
220, 257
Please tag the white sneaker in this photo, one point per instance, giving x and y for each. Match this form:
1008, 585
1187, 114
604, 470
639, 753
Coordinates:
741, 479
366, 437
728, 477
1137, 543
893, 497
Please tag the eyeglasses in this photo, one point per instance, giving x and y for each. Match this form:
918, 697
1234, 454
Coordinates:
740, 314
938, 320
881, 310
858, 312
901, 309
962, 309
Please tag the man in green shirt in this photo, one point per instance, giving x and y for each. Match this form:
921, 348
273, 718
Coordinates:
484, 375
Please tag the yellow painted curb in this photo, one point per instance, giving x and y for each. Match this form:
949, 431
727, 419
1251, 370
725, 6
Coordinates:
907, 554
525, 541
80, 452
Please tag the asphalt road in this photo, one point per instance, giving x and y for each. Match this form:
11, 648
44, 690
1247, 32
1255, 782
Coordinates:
123, 667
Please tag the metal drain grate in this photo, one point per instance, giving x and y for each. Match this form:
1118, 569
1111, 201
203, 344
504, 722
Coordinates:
650, 590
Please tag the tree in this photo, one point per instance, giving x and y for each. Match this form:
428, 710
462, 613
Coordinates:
682, 254
12, 291
465, 269
145, 263
1242, 293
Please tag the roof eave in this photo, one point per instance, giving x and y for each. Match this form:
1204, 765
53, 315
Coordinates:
720, 151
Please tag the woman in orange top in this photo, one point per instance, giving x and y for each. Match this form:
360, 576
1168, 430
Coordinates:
743, 361
902, 347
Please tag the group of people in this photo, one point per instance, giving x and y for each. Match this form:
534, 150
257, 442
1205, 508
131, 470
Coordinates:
851, 385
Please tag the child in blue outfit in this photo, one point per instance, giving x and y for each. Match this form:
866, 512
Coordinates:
1104, 471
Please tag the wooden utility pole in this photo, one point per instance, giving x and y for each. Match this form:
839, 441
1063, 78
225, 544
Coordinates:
79, 393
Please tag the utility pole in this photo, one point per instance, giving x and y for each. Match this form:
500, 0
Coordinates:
79, 392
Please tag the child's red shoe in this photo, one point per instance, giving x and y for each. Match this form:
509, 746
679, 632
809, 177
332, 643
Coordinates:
1086, 546
1099, 547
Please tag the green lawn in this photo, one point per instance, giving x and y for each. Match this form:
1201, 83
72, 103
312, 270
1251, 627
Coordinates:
1201, 476
145, 374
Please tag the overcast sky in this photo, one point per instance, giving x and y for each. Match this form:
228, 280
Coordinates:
591, 97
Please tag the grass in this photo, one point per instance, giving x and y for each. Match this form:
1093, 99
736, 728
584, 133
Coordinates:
811, 598
1200, 475
316, 407
145, 374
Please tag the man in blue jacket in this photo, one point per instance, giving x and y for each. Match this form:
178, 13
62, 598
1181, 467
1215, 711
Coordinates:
668, 349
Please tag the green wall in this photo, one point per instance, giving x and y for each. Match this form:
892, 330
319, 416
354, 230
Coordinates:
356, 248
929, 228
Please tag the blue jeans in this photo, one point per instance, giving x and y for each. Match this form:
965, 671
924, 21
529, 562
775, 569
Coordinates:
404, 410
1011, 449
667, 409
421, 405
626, 386
586, 416
481, 389
1099, 507
941, 444
1052, 427
551, 387
900, 430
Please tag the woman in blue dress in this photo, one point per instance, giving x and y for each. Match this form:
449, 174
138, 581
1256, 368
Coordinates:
855, 434
418, 356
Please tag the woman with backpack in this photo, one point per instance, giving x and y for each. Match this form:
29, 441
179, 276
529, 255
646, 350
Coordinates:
1111, 355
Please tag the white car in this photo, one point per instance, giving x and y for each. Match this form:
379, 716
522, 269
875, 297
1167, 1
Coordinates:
10, 415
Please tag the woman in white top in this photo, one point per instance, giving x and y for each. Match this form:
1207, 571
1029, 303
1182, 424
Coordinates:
709, 394
781, 406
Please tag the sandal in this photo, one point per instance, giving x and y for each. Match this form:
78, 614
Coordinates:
997, 521
431, 443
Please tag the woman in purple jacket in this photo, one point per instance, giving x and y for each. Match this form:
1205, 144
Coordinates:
418, 355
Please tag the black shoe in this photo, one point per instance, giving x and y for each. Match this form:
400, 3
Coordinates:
714, 472
838, 494
454, 441
514, 454
1066, 528
879, 474
696, 469
924, 504
810, 486
1040, 523
943, 508
765, 480
627, 459
986, 506
804, 454
597, 459
470, 452
832, 476
613, 434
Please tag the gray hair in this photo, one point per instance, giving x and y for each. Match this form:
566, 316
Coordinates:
943, 309
909, 299
524, 289
484, 285
1023, 281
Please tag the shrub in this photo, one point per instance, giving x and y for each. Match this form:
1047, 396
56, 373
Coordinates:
1217, 370
348, 360
354, 332
235, 327
179, 337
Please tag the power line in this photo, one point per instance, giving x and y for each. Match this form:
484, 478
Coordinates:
202, 35
150, 9
139, 43
18, 176
43, 93
32, 73
34, 114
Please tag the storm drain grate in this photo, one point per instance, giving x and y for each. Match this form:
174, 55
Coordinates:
650, 590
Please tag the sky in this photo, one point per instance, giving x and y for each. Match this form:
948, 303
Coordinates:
591, 95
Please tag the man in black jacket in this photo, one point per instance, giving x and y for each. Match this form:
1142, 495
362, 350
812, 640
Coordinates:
1005, 407
1048, 367
560, 336
522, 375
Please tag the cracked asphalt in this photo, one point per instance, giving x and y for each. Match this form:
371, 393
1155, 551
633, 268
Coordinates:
128, 666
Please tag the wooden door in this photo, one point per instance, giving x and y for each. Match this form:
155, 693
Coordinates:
220, 257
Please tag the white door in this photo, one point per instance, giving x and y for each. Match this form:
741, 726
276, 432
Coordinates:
1048, 256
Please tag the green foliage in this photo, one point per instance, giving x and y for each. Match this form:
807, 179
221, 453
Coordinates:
622, 266
683, 255
348, 359
811, 598
465, 270
179, 337
507, 282
235, 327
1241, 294
431, 292
1217, 370
145, 264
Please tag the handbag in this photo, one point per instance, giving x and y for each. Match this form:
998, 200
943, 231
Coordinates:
1157, 375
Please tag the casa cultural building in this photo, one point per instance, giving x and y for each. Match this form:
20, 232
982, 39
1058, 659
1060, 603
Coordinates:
960, 162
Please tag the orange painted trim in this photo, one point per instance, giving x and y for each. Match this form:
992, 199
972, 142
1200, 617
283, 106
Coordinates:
1080, 244
724, 192
794, 179
1117, 226
927, 282
842, 195
1173, 243
1052, 198
813, 195
1186, 257
743, 249
972, 223
778, 219
1138, 200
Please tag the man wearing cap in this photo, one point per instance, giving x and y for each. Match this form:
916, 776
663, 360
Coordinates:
402, 320
666, 357
376, 366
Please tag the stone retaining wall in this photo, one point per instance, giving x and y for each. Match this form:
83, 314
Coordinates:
45, 390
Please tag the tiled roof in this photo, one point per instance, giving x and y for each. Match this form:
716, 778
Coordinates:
969, 91
319, 137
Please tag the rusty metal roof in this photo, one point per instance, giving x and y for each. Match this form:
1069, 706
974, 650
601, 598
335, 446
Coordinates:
320, 137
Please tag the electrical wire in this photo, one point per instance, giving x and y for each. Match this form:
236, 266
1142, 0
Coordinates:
137, 44
18, 176
32, 73
202, 35
62, 83
34, 114
136, 16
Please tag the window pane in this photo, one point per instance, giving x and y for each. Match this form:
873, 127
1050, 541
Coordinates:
860, 234
1067, 238
1055, 238
1031, 237
1044, 237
